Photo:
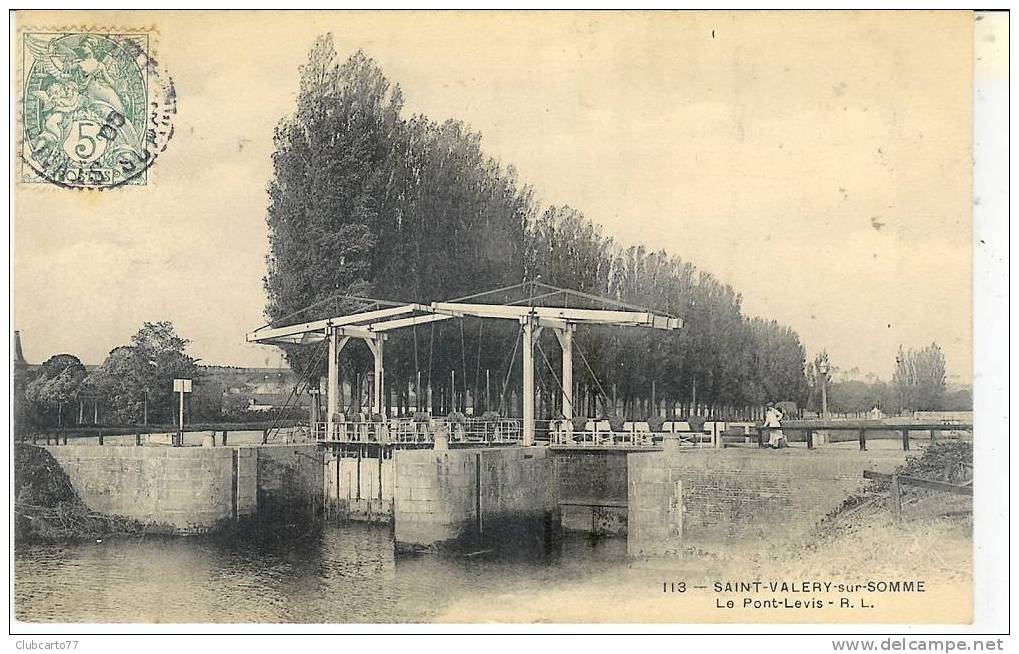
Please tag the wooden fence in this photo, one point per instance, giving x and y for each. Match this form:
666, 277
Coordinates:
898, 481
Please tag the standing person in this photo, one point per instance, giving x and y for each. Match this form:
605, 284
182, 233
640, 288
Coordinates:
773, 421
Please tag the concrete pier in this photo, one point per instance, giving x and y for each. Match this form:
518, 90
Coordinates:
191, 490
474, 498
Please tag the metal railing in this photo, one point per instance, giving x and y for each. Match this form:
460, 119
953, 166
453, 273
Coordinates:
599, 433
410, 431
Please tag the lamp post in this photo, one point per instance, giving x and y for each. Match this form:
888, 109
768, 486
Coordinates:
898, 369
823, 368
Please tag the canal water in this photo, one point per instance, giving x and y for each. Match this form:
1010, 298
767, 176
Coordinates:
345, 573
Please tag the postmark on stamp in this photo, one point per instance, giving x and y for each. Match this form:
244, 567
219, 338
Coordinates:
96, 109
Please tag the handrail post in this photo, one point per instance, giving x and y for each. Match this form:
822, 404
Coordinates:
896, 499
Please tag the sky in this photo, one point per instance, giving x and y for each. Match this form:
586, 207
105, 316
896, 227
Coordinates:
820, 163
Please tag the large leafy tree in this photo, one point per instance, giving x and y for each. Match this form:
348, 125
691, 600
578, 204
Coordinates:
920, 377
137, 379
54, 387
365, 201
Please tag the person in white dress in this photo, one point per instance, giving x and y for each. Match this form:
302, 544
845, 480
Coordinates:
773, 421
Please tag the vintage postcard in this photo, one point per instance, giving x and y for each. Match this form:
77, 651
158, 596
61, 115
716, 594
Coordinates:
598, 318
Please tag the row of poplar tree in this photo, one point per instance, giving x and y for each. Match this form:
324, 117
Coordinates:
366, 201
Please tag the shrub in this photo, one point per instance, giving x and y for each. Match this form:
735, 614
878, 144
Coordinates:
696, 423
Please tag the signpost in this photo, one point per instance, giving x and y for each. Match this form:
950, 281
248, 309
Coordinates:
181, 386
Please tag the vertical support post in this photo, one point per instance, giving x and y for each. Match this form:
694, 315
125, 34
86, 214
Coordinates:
808, 436
332, 383
381, 456
565, 337
896, 498
357, 494
378, 392
224, 437
100, 438
337, 457
138, 440
478, 526
528, 390
934, 435
180, 423
863, 440
905, 440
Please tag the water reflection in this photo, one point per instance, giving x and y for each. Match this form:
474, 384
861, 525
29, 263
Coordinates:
343, 573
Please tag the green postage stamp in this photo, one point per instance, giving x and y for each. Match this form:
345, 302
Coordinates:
96, 110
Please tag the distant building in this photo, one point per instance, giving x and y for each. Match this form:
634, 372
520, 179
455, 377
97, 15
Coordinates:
263, 389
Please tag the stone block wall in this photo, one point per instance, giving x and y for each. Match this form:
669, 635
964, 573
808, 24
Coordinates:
245, 481
189, 490
469, 497
701, 497
184, 489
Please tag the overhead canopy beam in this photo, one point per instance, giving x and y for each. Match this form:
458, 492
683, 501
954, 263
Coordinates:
365, 323
265, 335
593, 316
390, 325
